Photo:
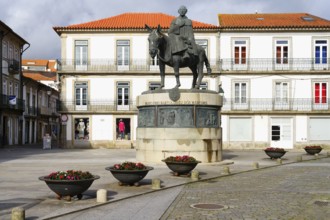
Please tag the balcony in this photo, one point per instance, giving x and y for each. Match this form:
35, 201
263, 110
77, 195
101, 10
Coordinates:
11, 103
30, 111
14, 67
258, 64
272, 105
111, 65
97, 106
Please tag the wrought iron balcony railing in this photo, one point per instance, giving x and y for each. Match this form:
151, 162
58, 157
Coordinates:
30, 111
111, 65
97, 106
248, 64
259, 64
272, 104
11, 102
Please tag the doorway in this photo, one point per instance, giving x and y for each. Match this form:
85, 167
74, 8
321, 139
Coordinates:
125, 125
281, 133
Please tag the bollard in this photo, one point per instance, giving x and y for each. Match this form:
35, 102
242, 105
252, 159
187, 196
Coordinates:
316, 156
155, 184
256, 165
17, 213
194, 175
279, 161
226, 170
299, 158
101, 195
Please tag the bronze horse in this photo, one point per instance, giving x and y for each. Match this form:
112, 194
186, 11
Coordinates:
159, 44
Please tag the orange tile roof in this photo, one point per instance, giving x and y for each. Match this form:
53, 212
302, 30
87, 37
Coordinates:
281, 20
34, 62
132, 21
48, 64
40, 76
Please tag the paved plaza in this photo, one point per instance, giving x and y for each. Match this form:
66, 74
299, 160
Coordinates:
291, 190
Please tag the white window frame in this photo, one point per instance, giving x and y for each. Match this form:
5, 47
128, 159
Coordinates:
81, 54
81, 95
123, 54
240, 95
123, 96
282, 95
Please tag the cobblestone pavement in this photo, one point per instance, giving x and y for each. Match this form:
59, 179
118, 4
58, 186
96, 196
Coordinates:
289, 191
295, 191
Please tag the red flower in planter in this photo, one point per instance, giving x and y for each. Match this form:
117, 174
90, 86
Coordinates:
181, 159
277, 149
313, 147
129, 166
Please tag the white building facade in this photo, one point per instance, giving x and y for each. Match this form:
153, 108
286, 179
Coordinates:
105, 65
275, 75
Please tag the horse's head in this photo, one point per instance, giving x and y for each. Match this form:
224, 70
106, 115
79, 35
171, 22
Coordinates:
154, 39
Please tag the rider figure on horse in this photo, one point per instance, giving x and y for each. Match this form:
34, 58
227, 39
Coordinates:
181, 35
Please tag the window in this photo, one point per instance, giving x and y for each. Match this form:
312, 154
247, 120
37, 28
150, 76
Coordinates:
16, 89
123, 52
321, 51
16, 54
320, 92
4, 86
123, 95
81, 129
319, 129
81, 89
11, 91
276, 133
240, 52
204, 44
240, 129
154, 85
81, 48
281, 92
282, 51
10, 52
5, 49
240, 91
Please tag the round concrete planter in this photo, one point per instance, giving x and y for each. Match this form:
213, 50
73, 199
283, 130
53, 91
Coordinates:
129, 177
313, 151
68, 188
181, 168
275, 154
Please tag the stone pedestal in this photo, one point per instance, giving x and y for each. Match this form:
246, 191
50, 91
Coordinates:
179, 122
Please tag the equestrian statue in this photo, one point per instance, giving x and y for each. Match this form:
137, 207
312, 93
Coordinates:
178, 49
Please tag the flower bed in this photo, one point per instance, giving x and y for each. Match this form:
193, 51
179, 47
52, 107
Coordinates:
181, 164
70, 175
69, 183
181, 159
313, 149
276, 149
129, 166
129, 173
275, 152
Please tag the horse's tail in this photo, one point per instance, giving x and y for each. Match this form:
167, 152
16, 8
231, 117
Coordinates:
207, 64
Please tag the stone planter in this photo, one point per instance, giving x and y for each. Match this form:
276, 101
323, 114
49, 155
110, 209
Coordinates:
313, 151
129, 177
275, 154
68, 188
181, 168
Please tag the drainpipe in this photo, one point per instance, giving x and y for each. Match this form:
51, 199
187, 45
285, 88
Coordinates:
1, 121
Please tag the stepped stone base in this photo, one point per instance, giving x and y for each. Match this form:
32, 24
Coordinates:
179, 122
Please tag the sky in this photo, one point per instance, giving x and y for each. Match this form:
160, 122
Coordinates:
34, 20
